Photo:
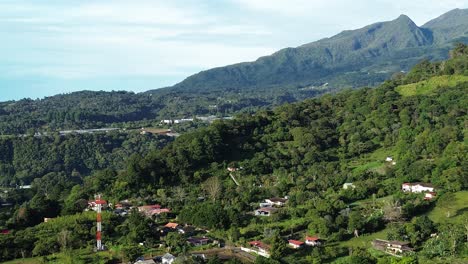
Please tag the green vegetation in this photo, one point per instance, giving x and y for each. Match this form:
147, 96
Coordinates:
451, 208
305, 151
426, 87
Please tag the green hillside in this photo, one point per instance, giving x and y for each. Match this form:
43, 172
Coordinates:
305, 151
427, 87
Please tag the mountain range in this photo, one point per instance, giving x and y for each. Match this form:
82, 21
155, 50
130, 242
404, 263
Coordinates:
369, 55
350, 59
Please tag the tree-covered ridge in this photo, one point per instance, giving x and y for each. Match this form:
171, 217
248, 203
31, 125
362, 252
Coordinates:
370, 54
23, 159
306, 151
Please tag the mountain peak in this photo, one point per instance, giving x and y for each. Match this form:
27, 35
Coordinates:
404, 20
457, 16
404, 17
451, 25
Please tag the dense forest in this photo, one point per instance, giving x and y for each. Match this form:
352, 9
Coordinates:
304, 150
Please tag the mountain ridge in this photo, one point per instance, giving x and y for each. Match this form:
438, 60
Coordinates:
349, 51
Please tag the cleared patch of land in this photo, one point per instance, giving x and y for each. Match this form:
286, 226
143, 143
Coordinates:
427, 86
458, 210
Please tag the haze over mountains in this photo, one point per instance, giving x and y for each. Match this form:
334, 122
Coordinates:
352, 58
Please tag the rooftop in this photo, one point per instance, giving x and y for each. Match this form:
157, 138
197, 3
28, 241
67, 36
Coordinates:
295, 242
171, 225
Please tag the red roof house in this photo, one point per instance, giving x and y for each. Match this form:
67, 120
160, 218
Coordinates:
295, 243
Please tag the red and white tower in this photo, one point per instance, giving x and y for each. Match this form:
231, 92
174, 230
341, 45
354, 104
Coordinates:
99, 203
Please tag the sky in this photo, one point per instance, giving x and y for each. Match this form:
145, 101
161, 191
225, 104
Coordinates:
54, 46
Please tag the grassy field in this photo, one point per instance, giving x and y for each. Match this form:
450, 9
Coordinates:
426, 87
374, 161
458, 210
364, 240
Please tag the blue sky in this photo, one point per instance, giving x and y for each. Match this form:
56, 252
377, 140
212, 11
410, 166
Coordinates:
55, 46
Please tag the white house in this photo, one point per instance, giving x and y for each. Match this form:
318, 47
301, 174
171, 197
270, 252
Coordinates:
258, 247
348, 185
276, 201
168, 258
417, 187
312, 241
389, 159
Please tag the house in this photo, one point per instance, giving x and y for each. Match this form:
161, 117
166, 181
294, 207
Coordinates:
429, 195
391, 247
171, 225
260, 248
158, 211
4, 232
265, 211
92, 205
389, 159
232, 169
198, 241
46, 219
166, 121
312, 241
167, 258
417, 187
295, 243
146, 208
150, 210
276, 201
124, 204
186, 230
348, 185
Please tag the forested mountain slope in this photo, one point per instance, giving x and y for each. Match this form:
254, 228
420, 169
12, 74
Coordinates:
305, 151
370, 55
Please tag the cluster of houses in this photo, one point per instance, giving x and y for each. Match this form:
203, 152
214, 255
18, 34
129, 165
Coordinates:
312, 241
207, 119
124, 207
420, 187
263, 249
270, 206
196, 236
